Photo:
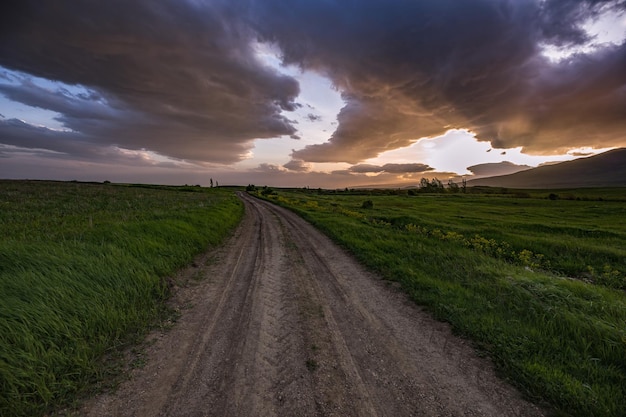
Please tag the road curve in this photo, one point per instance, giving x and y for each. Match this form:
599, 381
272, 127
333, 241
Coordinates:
285, 323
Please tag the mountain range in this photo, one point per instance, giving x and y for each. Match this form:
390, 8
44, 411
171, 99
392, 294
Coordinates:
607, 169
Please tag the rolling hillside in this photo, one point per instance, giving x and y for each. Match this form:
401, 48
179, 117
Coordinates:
604, 170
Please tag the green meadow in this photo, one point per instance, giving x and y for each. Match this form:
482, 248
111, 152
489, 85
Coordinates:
536, 279
83, 272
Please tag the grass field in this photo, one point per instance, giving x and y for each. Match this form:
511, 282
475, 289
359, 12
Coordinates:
82, 270
536, 281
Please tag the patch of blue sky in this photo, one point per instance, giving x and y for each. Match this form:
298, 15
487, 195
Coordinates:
36, 116
608, 28
316, 119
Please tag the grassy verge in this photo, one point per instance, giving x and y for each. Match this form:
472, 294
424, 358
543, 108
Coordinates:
82, 267
511, 274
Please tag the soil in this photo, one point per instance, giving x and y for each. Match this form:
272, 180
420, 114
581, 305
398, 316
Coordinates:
283, 322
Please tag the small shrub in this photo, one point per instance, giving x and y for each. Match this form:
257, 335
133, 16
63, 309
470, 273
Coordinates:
267, 191
367, 204
311, 365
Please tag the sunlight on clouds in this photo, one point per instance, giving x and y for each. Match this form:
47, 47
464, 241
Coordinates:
459, 149
588, 151
147, 157
142, 154
264, 91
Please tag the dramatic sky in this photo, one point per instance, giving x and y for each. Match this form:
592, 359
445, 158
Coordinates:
319, 93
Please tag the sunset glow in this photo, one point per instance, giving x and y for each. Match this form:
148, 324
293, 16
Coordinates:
321, 94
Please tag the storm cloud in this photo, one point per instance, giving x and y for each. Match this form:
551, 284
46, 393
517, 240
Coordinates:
179, 78
297, 165
411, 69
183, 78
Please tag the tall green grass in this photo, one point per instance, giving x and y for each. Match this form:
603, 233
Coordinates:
83, 267
562, 340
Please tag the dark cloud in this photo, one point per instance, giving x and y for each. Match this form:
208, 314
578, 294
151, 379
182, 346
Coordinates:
297, 165
562, 20
410, 69
179, 78
21, 138
368, 128
390, 168
265, 167
313, 117
17, 133
495, 169
406, 168
365, 168
182, 77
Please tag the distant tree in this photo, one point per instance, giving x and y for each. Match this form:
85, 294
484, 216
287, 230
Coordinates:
436, 185
464, 185
267, 191
453, 186
217, 184
211, 182
250, 187
432, 186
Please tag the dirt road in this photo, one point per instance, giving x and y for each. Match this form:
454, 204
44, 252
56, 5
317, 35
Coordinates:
284, 323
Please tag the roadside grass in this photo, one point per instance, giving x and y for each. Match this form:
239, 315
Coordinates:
500, 270
83, 270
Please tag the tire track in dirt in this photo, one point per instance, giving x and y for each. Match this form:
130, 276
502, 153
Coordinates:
285, 323
411, 364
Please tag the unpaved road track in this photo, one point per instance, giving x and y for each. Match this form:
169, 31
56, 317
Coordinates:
284, 323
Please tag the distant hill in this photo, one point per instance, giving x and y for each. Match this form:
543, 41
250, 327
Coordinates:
607, 169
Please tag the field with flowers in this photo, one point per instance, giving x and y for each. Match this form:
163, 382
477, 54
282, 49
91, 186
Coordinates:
535, 281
